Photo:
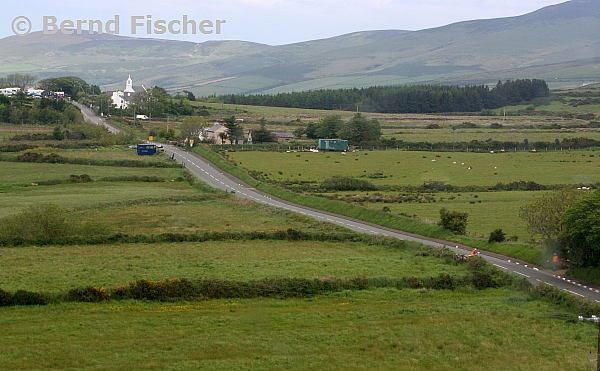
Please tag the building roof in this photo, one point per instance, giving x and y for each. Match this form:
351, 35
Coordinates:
282, 134
214, 128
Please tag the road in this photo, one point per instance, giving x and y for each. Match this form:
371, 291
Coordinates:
89, 115
216, 178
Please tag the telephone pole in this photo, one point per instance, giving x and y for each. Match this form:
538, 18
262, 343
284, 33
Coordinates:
597, 321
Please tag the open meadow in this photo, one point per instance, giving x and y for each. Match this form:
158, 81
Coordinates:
383, 329
397, 168
394, 172
404, 322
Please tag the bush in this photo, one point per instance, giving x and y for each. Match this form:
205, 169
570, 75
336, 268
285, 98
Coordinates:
88, 294
455, 221
344, 183
38, 221
22, 297
497, 236
6, 298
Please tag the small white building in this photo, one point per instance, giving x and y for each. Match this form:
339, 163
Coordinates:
9, 91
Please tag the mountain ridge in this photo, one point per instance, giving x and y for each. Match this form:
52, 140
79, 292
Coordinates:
474, 51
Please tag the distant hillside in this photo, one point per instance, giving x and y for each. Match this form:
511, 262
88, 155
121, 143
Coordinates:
558, 43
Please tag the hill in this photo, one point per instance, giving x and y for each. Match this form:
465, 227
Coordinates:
557, 43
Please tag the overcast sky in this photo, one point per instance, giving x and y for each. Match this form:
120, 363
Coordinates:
273, 22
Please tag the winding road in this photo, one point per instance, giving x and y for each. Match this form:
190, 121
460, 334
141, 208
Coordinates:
216, 178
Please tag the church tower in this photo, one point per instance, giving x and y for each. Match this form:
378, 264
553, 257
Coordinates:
129, 86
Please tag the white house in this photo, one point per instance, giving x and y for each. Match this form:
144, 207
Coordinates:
212, 133
121, 98
9, 91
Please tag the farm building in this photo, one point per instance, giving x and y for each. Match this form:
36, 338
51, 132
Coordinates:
282, 136
333, 145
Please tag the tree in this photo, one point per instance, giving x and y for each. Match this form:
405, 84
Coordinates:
193, 127
360, 129
223, 136
234, 130
189, 95
581, 231
329, 127
298, 132
543, 216
72, 86
17, 80
311, 130
455, 221
263, 135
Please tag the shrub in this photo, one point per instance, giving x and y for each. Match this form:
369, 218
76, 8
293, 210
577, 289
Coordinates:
30, 157
88, 294
344, 183
414, 282
497, 236
6, 298
38, 221
120, 291
143, 289
442, 282
22, 297
455, 221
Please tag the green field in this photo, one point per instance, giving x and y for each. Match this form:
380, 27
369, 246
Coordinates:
370, 330
375, 329
414, 168
54, 268
487, 210
482, 134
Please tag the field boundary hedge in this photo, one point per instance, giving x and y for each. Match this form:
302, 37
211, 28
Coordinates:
481, 275
169, 237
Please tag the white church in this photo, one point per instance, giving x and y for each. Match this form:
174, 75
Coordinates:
121, 98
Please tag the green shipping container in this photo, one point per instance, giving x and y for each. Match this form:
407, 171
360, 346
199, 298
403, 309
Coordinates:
333, 145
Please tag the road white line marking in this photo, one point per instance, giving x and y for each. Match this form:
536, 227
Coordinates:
499, 266
524, 275
574, 293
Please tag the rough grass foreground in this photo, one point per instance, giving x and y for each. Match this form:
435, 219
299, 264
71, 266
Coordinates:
382, 329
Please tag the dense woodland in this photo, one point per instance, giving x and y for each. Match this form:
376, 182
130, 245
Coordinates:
405, 99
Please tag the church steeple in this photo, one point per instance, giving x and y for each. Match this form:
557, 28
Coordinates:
129, 85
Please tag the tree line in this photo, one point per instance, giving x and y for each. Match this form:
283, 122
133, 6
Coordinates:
20, 110
404, 99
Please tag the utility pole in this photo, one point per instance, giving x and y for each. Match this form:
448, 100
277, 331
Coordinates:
597, 321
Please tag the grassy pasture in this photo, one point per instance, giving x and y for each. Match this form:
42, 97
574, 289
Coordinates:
414, 168
107, 153
495, 329
219, 214
26, 173
85, 195
448, 135
487, 210
370, 330
62, 267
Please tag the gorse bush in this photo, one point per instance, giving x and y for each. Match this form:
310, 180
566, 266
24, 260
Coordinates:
88, 294
345, 183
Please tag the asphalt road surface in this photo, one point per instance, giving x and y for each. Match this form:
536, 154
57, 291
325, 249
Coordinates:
216, 178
